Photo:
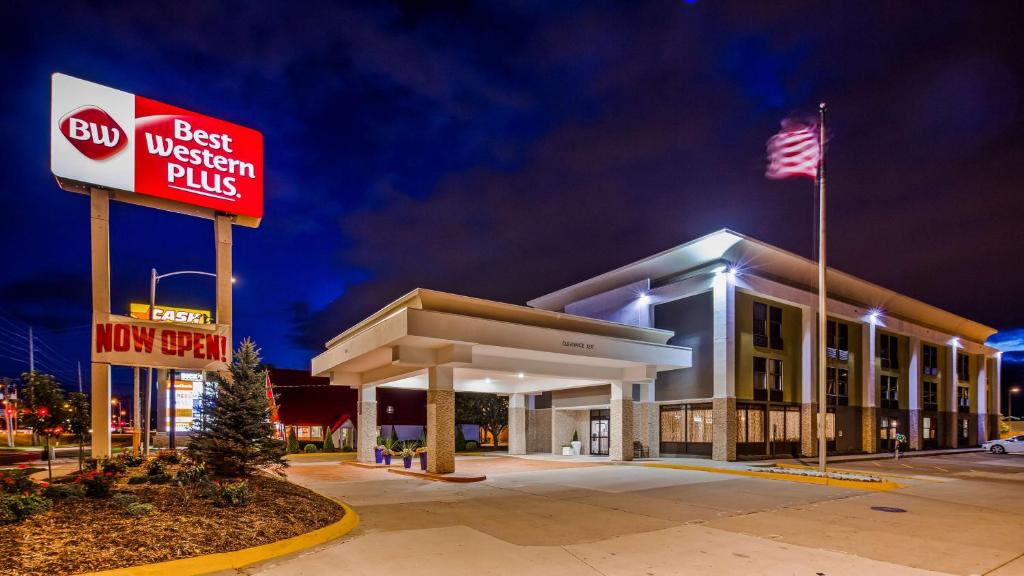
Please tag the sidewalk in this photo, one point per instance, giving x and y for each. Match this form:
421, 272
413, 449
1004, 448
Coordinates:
813, 461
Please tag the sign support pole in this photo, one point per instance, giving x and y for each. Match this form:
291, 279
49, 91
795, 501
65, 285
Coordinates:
822, 300
99, 202
222, 237
135, 411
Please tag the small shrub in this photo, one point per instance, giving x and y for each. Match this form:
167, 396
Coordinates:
233, 494
139, 509
156, 467
161, 478
310, 449
18, 507
132, 460
328, 441
169, 456
115, 465
472, 445
293, 442
192, 474
138, 479
64, 491
460, 439
97, 484
125, 500
18, 481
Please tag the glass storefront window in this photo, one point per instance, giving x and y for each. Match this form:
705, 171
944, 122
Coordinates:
699, 425
671, 425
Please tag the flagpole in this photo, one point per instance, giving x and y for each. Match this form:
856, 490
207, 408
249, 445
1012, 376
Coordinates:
822, 292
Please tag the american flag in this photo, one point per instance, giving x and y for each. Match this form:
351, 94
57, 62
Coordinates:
794, 151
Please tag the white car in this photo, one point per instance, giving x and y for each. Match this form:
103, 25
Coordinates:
1005, 445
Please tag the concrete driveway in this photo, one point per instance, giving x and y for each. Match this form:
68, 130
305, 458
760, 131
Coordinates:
567, 518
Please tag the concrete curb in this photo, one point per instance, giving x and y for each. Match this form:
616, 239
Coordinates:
882, 486
222, 561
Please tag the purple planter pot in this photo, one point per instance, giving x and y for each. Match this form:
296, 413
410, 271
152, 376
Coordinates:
423, 460
378, 455
407, 462
387, 459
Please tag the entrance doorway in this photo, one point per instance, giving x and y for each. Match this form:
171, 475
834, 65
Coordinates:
599, 432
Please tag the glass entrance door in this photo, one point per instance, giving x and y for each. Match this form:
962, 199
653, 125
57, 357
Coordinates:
599, 432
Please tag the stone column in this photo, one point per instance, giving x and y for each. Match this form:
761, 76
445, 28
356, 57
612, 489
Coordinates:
869, 389
724, 369
366, 439
620, 424
647, 434
440, 420
517, 423
997, 384
952, 413
808, 384
982, 400
914, 395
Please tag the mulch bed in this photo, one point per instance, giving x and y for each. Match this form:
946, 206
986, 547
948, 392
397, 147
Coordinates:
95, 534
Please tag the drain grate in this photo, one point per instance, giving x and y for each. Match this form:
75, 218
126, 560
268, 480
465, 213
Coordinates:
887, 509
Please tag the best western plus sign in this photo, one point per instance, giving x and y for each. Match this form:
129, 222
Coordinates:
126, 142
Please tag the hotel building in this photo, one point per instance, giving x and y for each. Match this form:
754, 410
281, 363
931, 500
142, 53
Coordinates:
708, 349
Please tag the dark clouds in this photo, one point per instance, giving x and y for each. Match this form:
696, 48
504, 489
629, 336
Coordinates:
504, 151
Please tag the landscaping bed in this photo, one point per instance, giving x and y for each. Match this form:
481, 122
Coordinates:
175, 516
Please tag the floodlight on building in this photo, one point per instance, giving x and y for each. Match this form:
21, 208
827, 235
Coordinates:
521, 375
643, 298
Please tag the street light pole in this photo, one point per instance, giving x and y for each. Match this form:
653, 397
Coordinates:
1009, 403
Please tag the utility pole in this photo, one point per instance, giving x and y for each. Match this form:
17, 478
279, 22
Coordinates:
79, 376
31, 351
8, 409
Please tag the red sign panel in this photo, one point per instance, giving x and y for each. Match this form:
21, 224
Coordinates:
196, 159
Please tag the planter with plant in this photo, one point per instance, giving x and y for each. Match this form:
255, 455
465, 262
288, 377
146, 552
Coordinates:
422, 452
389, 446
566, 450
576, 444
407, 452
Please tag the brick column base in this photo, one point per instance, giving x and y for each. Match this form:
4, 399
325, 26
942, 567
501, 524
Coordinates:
809, 430
517, 430
914, 430
869, 429
723, 446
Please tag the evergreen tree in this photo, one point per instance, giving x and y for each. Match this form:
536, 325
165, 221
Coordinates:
239, 437
79, 421
293, 441
328, 440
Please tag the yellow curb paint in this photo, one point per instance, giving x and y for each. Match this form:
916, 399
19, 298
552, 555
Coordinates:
239, 558
884, 485
851, 471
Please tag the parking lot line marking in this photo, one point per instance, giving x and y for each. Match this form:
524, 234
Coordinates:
940, 468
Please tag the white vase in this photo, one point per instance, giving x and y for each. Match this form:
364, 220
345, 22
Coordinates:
576, 447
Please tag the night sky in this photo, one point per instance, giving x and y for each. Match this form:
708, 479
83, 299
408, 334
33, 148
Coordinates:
507, 150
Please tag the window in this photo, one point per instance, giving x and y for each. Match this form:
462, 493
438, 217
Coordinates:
930, 394
767, 378
767, 329
890, 392
888, 427
837, 383
699, 427
749, 424
930, 360
672, 424
830, 426
785, 424
838, 342
888, 351
963, 398
964, 431
928, 430
963, 367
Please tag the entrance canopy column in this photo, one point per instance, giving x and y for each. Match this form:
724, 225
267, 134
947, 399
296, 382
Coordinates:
620, 425
517, 423
367, 439
440, 420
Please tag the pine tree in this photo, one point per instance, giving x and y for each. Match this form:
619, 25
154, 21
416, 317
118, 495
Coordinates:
80, 421
328, 440
239, 437
293, 441
45, 412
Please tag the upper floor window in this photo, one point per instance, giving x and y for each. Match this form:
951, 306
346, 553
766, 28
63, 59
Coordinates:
890, 392
889, 351
838, 342
963, 367
930, 360
963, 399
837, 386
930, 395
767, 326
767, 379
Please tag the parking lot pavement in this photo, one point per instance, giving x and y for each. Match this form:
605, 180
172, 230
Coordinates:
963, 517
